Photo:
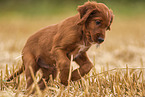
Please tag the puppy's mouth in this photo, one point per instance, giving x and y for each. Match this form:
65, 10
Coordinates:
92, 42
97, 40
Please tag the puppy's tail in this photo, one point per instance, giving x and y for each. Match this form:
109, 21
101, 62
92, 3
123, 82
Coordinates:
16, 73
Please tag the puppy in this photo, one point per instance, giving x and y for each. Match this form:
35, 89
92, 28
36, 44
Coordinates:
51, 48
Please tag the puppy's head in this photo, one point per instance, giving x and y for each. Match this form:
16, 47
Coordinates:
96, 19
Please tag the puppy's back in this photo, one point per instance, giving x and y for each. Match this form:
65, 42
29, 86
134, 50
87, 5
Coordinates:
41, 40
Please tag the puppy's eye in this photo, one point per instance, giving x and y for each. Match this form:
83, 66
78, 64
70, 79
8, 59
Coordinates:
98, 22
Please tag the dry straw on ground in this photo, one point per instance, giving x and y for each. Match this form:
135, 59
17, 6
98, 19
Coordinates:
110, 83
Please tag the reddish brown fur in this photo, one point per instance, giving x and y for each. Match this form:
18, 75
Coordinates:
50, 49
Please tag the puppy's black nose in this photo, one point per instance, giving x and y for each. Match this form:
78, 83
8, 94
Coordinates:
100, 40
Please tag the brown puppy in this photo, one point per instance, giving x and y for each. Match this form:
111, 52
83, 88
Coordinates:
50, 49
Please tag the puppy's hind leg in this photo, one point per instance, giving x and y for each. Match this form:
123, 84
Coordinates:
44, 79
46, 76
30, 61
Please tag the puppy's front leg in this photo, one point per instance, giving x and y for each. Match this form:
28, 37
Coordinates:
63, 63
85, 66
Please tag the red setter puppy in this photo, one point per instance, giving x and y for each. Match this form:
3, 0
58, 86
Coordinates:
50, 49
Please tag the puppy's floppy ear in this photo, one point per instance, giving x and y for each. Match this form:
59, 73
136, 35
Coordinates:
84, 12
112, 16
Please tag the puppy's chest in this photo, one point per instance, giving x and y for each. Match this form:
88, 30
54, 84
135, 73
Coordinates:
79, 50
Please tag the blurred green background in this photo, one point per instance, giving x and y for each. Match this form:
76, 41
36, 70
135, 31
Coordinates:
35, 8
124, 44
